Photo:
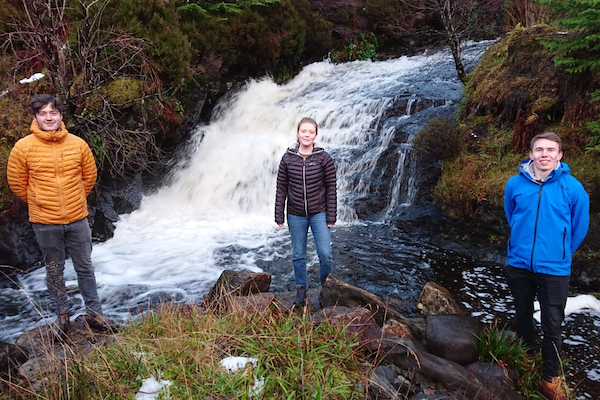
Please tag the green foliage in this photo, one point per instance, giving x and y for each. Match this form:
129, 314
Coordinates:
363, 49
123, 91
192, 11
476, 178
579, 49
158, 22
593, 144
252, 37
97, 145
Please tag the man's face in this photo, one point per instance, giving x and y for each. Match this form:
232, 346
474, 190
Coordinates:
545, 155
48, 118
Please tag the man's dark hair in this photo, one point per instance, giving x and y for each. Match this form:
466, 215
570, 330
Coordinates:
40, 100
547, 135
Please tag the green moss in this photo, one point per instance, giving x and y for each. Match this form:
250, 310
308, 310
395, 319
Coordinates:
123, 91
544, 103
473, 181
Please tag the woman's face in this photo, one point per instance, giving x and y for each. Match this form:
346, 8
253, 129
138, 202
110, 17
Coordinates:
307, 133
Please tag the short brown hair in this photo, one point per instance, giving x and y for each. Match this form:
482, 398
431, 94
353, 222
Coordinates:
40, 100
310, 121
546, 135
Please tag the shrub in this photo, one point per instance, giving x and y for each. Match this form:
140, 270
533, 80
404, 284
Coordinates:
440, 139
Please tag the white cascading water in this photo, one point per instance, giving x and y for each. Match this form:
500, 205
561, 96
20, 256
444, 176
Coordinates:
221, 196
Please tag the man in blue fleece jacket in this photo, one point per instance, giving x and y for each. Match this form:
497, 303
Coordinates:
548, 213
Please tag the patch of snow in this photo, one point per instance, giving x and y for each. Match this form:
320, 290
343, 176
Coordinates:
32, 78
151, 388
232, 364
575, 304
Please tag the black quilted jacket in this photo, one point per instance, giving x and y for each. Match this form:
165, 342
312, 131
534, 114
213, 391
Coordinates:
309, 185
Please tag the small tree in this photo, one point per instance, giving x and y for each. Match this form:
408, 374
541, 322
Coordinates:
459, 19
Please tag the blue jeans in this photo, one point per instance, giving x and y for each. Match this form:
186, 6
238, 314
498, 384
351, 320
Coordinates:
76, 238
551, 292
298, 226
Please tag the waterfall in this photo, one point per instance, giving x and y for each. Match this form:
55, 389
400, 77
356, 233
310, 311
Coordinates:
217, 209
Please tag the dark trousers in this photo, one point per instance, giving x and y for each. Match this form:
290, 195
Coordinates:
551, 292
55, 241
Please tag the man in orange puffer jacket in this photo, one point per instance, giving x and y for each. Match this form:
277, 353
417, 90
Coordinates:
54, 171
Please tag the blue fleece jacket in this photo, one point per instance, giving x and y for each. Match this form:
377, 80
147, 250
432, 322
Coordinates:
548, 220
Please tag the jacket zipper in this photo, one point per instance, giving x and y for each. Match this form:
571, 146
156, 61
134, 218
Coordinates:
564, 247
60, 195
537, 215
304, 186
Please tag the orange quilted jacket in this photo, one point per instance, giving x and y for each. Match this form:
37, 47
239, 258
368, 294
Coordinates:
53, 171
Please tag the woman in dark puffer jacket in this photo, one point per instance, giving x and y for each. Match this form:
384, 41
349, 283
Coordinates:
307, 180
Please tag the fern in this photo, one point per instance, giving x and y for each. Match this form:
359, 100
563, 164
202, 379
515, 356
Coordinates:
578, 50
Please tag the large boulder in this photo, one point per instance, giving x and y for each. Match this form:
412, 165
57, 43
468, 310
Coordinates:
236, 283
453, 337
18, 247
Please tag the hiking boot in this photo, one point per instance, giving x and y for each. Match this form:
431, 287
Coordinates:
555, 390
300, 296
61, 327
101, 323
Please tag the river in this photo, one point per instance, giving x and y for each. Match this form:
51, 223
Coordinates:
215, 210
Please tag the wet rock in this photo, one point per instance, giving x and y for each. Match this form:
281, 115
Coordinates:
253, 303
453, 337
380, 385
585, 275
11, 357
429, 396
337, 292
114, 197
494, 374
18, 247
236, 283
463, 383
435, 299
357, 320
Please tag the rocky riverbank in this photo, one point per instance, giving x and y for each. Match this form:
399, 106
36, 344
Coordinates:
432, 356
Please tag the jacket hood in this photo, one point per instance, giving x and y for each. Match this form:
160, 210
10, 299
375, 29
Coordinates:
49, 136
525, 168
